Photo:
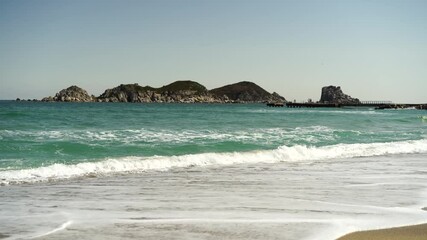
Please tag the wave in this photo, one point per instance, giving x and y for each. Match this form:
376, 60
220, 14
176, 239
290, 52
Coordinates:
346, 110
135, 164
308, 135
130, 136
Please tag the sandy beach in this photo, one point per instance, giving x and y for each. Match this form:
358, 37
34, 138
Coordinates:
416, 232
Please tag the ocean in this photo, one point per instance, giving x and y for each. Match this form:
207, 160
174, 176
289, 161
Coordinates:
207, 171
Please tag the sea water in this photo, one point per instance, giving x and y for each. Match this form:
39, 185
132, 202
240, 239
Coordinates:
207, 171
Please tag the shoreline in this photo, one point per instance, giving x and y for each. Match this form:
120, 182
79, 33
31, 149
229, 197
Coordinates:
411, 232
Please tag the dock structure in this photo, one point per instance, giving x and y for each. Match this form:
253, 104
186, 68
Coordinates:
275, 104
312, 105
374, 104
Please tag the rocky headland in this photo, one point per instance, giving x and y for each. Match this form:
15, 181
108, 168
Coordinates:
176, 92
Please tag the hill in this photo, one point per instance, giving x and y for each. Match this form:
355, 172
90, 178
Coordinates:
185, 86
245, 92
127, 93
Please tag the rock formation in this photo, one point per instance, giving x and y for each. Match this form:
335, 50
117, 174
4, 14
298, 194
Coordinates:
333, 94
278, 97
71, 94
127, 93
245, 92
178, 92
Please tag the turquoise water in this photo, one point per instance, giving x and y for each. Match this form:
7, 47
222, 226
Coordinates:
207, 171
34, 135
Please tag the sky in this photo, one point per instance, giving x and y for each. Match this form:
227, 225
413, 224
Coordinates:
373, 49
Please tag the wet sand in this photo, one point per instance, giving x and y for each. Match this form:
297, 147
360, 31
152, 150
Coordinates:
3, 236
416, 232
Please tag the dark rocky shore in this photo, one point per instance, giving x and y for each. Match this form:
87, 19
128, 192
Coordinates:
176, 92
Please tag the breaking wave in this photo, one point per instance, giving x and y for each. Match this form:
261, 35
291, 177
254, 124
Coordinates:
135, 164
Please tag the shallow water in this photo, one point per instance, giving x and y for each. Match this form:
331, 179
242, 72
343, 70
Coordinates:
287, 200
132, 171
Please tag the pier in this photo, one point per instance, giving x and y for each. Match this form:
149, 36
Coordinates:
374, 104
333, 97
275, 104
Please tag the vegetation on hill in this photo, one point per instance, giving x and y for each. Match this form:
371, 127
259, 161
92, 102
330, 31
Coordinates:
245, 92
185, 85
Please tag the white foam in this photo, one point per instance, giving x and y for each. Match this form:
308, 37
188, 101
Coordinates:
62, 227
367, 111
162, 163
131, 136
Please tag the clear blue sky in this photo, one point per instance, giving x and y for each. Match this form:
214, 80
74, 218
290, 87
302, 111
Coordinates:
374, 50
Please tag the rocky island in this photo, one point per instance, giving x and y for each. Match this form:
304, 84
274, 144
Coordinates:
70, 94
177, 92
334, 95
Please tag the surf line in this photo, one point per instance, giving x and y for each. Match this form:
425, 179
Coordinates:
62, 227
225, 220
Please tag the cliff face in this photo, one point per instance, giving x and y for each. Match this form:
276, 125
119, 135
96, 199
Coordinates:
333, 94
245, 92
71, 94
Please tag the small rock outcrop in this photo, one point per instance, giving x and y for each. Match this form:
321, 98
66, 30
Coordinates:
71, 94
333, 94
245, 92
